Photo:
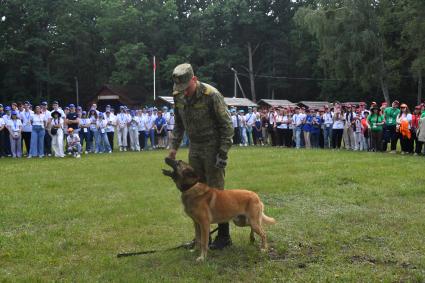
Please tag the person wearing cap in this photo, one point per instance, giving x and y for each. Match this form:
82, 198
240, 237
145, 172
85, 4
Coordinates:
15, 129
25, 117
404, 125
279, 125
85, 135
72, 120
375, 122
390, 131
122, 128
201, 112
133, 129
73, 141
56, 131
110, 128
160, 127
103, 144
39, 124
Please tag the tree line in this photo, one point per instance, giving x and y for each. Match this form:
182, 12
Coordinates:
283, 49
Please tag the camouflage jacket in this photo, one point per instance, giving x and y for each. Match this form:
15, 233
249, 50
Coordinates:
205, 118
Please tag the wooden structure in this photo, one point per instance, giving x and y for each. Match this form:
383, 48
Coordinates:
267, 103
235, 102
131, 96
313, 104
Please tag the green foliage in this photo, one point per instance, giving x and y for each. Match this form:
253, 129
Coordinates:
365, 45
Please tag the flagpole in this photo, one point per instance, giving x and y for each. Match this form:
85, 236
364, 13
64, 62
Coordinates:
154, 80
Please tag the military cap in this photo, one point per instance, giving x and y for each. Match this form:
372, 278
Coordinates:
44, 103
182, 75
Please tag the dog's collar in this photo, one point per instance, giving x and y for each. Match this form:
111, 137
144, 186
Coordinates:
185, 188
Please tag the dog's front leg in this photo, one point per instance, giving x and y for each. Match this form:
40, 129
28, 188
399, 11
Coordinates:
197, 235
205, 235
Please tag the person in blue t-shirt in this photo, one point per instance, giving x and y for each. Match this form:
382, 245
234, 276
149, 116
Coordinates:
315, 130
308, 122
160, 127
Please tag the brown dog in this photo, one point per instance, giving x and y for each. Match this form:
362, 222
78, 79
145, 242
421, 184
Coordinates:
207, 205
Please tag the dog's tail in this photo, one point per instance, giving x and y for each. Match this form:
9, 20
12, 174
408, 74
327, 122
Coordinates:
268, 220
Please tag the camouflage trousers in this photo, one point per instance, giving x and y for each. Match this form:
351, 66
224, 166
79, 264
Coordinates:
202, 157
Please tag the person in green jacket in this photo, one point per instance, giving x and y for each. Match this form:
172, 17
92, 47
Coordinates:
390, 134
375, 121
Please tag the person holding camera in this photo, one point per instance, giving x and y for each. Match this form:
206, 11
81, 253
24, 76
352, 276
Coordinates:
15, 134
56, 131
201, 112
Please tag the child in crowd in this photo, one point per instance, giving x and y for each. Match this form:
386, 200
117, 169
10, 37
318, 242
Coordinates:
74, 145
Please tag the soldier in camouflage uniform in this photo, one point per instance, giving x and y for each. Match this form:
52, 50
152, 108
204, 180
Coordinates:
200, 110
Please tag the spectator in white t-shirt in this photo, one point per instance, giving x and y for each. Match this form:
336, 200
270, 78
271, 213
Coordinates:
110, 128
25, 117
15, 130
39, 123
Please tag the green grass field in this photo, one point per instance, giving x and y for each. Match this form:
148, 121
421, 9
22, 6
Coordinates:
342, 216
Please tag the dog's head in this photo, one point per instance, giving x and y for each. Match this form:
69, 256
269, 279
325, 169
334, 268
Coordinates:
183, 174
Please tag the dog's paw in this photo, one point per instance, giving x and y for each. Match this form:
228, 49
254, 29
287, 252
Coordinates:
200, 259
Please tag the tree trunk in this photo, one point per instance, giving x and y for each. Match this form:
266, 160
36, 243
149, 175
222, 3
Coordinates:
384, 84
48, 82
419, 87
385, 92
251, 72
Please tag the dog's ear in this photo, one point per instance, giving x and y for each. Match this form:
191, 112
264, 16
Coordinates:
167, 173
189, 173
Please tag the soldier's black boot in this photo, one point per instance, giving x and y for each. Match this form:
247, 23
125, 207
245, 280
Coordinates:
223, 238
191, 245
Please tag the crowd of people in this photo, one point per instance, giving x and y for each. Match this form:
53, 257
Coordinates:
36, 131
70, 130
353, 127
